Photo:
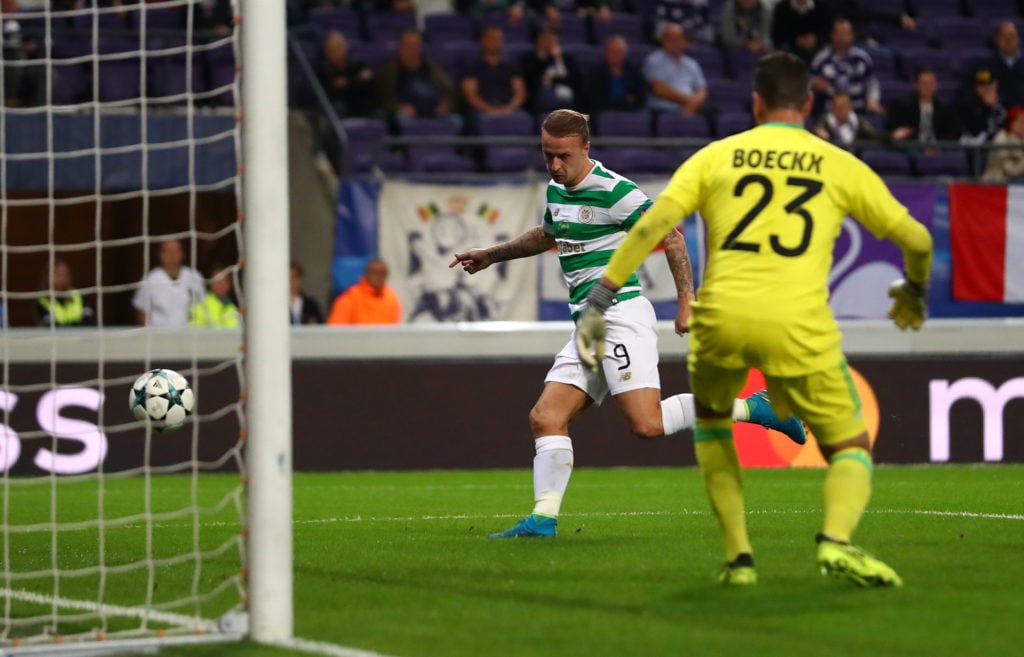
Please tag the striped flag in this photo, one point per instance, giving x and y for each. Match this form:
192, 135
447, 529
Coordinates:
987, 242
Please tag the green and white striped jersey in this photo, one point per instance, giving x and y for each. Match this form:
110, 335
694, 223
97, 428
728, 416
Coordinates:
589, 221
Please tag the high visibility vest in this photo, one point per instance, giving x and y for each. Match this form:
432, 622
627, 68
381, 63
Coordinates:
66, 311
214, 313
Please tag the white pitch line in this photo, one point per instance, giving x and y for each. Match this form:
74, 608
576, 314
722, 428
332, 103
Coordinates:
111, 610
323, 648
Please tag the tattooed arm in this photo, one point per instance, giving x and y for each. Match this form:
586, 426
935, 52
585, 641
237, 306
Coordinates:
533, 242
682, 273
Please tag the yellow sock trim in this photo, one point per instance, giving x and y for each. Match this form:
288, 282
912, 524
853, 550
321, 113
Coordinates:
720, 468
846, 492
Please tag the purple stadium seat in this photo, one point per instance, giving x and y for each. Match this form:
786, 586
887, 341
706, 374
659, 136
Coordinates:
945, 67
165, 19
683, 125
506, 158
895, 90
710, 60
573, 29
389, 25
588, 56
886, 65
168, 75
373, 53
340, 19
741, 64
635, 161
435, 158
629, 26
938, 7
994, 8
517, 33
637, 52
887, 162
893, 36
70, 80
441, 28
954, 32
730, 123
220, 63
120, 69
729, 95
455, 55
624, 124
944, 163
364, 136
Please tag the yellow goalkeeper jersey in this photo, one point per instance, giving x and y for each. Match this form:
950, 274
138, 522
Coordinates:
773, 199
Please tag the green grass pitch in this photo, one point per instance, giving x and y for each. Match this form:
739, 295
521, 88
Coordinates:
400, 563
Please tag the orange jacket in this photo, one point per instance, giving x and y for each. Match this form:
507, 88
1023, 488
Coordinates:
360, 304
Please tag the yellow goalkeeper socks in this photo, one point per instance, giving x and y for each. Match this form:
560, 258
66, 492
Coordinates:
846, 493
716, 455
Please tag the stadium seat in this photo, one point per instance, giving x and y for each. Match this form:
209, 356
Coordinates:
629, 26
638, 161
933, 8
955, 32
434, 158
710, 60
441, 28
669, 124
386, 26
887, 162
729, 95
624, 124
364, 152
165, 20
456, 54
504, 158
587, 55
517, 33
70, 79
885, 62
636, 52
895, 91
372, 53
220, 62
730, 123
168, 75
119, 70
944, 163
573, 29
338, 19
741, 64
993, 8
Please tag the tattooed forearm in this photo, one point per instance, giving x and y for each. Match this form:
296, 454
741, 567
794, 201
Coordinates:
530, 243
679, 262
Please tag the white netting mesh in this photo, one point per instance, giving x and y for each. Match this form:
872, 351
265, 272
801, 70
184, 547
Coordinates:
120, 132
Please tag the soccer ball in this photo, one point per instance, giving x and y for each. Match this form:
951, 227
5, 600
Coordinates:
163, 398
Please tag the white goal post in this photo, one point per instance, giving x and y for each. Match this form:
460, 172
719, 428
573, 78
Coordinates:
151, 128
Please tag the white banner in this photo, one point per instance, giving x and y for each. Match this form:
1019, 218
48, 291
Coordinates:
422, 227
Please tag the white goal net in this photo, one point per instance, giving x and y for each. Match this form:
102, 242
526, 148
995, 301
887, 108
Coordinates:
121, 145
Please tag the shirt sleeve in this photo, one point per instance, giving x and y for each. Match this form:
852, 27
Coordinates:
140, 300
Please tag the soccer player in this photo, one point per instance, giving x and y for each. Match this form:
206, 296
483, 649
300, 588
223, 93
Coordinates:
773, 199
589, 208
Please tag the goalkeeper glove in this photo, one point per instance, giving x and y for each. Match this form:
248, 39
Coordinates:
591, 329
909, 307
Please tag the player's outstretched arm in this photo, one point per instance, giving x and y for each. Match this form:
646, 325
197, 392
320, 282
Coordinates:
533, 242
909, 294
682, 273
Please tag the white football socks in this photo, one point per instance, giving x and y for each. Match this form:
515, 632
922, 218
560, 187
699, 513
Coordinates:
677, 413
552, 468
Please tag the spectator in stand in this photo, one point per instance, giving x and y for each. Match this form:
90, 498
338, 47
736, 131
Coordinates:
347, 81
676, 81
746, 24
370, 301
302, 308
1006, 164
167, 292
1007, 66
553, 78
66, 306
617, 84
692, 15
218, 308
862, 17
841, 125
801, 26
842, 66
552, 10
401, 6
981, 113
410, 86
924, 117
514, 10
492, 84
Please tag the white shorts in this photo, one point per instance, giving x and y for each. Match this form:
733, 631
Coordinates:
630, 357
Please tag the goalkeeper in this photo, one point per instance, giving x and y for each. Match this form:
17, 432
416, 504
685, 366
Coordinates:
773, 199
589, 208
